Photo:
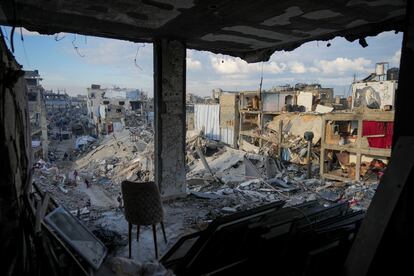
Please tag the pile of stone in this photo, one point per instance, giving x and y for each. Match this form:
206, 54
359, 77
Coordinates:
235, 180
133, 119
120, 156
60, 183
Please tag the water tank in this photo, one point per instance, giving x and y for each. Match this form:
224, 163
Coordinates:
392, 73
380, 69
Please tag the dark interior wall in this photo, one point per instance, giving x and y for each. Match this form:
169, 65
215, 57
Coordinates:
15, 160
394, 254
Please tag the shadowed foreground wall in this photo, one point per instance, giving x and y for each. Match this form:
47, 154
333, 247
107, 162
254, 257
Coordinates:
15, 161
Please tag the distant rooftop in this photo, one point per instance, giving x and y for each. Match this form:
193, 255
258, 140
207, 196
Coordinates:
32, 74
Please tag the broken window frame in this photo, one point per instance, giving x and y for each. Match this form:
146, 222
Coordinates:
95, 263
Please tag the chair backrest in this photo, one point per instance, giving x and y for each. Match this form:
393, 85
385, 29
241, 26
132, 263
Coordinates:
142, 202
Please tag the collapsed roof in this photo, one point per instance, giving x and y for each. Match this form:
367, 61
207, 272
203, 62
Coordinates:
252, 30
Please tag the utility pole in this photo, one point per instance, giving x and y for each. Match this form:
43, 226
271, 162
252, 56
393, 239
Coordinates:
308, 136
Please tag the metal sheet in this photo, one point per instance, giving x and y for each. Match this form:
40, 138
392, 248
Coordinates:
207, 118
227, 136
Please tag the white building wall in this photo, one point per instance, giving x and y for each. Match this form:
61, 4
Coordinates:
305, 99
383, 92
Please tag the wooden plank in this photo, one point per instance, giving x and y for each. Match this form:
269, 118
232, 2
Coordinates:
358, 166
335, 177
249, 134
386, 116
382, 206
368, 151
206, 166
322, 163
358, 155
280, 140
40, 213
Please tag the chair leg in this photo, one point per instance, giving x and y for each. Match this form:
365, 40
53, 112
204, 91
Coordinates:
138, 228
163, 231
154, 233
129, 237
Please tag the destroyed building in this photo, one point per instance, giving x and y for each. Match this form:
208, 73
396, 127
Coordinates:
57, 100
269, 226
377, 91
67, 116
37, 112
107, 107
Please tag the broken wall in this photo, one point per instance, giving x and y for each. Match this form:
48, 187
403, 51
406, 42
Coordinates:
229, 119
297, 124
306, 99
15, 162
375, 94
276, 102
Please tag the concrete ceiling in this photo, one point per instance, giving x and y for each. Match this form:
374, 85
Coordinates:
252, 30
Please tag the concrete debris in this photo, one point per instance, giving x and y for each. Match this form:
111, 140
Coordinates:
83, 141
249, 180
282, 137
323, 109
228, 210
220, 181
294, 125
128, 267
206, 195
110, 238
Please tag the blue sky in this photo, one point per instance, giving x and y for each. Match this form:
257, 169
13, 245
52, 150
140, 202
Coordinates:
110, 62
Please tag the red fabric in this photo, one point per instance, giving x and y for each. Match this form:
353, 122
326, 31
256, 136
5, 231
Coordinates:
378, 128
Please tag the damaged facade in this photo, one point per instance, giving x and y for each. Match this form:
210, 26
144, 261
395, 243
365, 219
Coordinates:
37, 110
107, 108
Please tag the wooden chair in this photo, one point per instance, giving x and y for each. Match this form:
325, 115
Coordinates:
142, 206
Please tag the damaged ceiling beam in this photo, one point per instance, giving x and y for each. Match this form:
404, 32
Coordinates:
253, 31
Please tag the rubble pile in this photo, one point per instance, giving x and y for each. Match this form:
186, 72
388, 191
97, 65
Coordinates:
120, 156
219, 178
72, 119
89, 174
221, 181
60, 184
234, 180
290, 142
133, 119
294, 146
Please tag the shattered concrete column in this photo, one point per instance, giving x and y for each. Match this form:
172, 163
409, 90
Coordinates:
169, 107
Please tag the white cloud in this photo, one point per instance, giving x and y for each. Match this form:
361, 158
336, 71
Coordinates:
395, 60
341, 65
193, 64
297, 67
312, 69
108, 52
386, 35
111, 52
230, 65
